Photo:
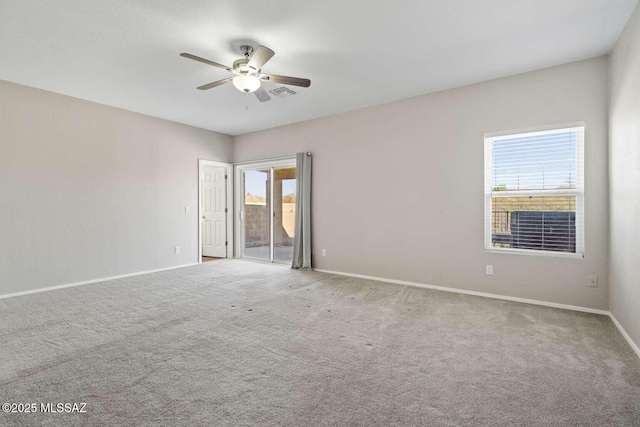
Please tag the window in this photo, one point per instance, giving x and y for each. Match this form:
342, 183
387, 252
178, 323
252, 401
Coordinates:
534, 192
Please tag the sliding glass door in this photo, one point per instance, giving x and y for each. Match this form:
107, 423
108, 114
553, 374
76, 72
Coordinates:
256, 222
267, 195
284, 213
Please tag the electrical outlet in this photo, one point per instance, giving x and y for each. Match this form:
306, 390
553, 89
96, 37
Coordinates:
187, 209
489, 269
324, 252
177, 249
593, 281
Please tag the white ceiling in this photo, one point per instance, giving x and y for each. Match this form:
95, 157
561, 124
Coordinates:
125, 53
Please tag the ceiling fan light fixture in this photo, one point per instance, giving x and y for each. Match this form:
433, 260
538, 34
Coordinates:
246, 83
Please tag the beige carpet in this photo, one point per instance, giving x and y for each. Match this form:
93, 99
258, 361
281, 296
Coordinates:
238, 343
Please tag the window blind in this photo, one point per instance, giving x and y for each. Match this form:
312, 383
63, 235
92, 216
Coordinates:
534, 191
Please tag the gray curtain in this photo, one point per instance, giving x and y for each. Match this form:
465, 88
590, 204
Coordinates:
302, 240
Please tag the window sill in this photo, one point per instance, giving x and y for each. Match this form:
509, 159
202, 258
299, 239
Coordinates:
535, 253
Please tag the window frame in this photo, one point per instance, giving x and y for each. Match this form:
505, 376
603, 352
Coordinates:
578, 192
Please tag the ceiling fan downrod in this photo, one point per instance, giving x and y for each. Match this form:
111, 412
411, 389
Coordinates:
246, 50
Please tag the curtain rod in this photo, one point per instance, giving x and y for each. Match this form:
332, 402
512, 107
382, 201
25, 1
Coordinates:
269, 159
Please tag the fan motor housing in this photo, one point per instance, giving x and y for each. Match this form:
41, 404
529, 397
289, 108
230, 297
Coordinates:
242, 67
241, 64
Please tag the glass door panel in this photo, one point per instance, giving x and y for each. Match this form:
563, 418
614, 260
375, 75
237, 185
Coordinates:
256, 214
284, 213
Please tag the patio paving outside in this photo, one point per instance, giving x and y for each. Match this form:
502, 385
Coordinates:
281, 253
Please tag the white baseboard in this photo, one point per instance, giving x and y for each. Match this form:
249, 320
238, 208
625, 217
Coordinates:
463, 291
88, 282
626, 336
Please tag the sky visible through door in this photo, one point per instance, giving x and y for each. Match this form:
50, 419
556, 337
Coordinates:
254, 185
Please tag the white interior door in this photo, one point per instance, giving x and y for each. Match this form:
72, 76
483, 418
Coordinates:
214, 217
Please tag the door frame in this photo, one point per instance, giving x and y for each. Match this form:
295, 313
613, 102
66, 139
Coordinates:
239, 199
228, 205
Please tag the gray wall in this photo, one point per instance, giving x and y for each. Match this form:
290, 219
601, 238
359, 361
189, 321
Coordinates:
624, 173
90, 191
398, 188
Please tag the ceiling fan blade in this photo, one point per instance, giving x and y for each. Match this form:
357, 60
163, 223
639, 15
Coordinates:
205, 61
260, 57
293, 81
214, 84
262, 95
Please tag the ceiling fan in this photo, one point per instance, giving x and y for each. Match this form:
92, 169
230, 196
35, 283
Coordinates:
248, 75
